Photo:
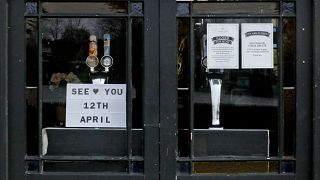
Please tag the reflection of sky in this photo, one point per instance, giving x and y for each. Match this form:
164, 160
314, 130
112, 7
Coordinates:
183, 8
288, 8
31, 7
136, 8
90, 25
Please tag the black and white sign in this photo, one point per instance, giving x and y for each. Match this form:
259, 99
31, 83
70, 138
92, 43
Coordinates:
257, 45
96, 105
222, 46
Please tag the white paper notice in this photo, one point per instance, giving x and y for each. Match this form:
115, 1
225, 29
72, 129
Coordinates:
257, 45
222, 46
96, 105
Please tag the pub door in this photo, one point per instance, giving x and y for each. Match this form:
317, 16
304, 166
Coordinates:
235, 90
83, 90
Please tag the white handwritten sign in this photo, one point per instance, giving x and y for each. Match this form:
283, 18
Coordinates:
257, 45
222, 46
96, 105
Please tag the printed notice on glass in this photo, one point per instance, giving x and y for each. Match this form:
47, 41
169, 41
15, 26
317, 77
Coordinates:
96, 105
257, 45
222, 46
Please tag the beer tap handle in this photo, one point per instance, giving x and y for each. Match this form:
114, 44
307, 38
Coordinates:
106, 61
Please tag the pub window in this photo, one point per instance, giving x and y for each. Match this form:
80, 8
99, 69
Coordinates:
236, 66
60, 37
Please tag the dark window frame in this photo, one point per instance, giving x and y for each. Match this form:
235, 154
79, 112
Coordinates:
4, 153
316, 92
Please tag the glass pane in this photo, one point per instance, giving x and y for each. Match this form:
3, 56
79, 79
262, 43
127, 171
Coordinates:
85, 166
249, 97
183, 60
32, 166
289, 83
84, 7
137, 63
65, 47
183, 168
31, 7
183, 73
183, 8
288, 8
31, 91
289, 52
32, 52
236, 8
236, 167
137, 9
184, 142
31, 94
137, 167
137, 142
288, 167
289, 120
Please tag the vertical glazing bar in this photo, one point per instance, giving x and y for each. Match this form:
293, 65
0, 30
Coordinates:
316, 76
150, 89
3, 91
129, 88
304, 90
280, 86
192, 85
40, 89
168, 90
16, 90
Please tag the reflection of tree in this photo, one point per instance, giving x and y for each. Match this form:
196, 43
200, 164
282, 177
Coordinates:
75, 42
182, 55
64, 46
112, 26
64, 38
56, 28
74, 23
52, 27
31, 27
